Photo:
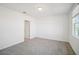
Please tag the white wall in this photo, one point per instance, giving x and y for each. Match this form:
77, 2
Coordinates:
52, 27
73, 41
11, 27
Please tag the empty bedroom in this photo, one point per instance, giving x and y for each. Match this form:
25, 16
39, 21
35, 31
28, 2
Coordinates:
39, 28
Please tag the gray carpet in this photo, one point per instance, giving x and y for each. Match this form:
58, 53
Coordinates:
39, 46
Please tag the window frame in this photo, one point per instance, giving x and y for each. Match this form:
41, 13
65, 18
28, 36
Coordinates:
73, 26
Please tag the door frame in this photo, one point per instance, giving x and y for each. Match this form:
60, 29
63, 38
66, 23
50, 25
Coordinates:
24, 29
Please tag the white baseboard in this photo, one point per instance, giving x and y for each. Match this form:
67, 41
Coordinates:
11, 44
49, 39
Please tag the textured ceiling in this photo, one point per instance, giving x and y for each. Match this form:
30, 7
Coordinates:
48, 9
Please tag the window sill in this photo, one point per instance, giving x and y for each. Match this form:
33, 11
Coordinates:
76, 37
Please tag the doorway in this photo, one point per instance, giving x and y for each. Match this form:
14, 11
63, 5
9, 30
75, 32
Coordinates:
26, 30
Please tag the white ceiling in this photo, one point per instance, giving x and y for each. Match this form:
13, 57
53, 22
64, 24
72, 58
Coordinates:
48, 8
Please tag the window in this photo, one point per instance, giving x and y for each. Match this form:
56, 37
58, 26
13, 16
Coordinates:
75, 26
